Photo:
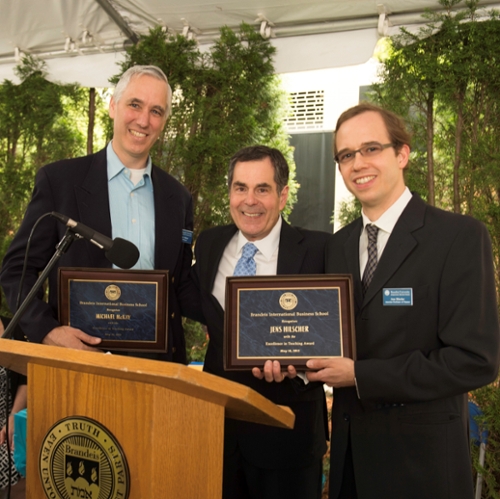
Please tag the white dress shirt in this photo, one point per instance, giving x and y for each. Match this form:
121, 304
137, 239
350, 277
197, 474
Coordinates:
266, 258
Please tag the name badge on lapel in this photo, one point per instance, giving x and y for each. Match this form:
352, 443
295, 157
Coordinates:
397, 297
187, 236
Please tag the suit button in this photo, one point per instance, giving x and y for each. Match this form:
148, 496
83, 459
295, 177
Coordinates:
174, 349
172, 315
173, 279
346, 417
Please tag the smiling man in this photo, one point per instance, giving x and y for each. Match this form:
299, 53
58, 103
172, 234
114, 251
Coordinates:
119, 193
426, 326
262, 462
139, 110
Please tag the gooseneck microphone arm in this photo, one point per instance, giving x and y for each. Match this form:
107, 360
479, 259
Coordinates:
118, 251
100, 240
61, 248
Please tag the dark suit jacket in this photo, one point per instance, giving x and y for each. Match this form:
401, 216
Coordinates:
78, 188
415, 364
301, 252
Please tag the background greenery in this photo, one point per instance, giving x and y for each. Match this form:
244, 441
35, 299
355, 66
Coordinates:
224, 99
446, 81
37, 126
488, 399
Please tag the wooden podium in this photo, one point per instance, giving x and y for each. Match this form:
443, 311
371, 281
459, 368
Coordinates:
167, 418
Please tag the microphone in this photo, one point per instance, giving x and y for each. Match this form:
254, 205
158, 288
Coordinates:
118, 251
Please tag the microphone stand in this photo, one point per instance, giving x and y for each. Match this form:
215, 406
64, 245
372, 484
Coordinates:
61, 248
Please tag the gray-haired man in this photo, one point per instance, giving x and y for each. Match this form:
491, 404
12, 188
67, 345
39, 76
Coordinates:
119, 193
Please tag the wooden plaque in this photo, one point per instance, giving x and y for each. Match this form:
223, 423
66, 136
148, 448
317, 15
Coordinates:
126, 308
289, 318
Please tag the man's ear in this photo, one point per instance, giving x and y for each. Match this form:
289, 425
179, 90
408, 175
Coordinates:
403, 156
284, 197
111, 109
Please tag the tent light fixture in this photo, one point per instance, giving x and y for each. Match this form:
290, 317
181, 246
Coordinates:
383, 20
266, 30
18, 54
86, 37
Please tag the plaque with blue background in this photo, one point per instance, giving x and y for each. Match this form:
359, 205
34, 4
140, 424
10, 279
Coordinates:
289, 318
126, 308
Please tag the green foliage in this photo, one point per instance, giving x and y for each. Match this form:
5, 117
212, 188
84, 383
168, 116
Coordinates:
196, 340
446, 81
37, 126
488, 399
39, 123
348, 212
224, 99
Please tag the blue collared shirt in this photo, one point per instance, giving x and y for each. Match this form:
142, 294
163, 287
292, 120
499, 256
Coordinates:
132, 208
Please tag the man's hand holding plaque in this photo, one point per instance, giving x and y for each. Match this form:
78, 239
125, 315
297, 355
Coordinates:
273, 371
70, 337
337, 373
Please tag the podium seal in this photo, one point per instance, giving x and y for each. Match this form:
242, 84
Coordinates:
80, 458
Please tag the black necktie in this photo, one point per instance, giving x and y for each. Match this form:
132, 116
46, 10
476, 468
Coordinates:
371, 264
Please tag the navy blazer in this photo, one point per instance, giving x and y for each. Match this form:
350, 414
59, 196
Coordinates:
78, 188
300, 252
415, 364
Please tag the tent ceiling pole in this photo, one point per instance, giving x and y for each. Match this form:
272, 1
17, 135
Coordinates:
118, 19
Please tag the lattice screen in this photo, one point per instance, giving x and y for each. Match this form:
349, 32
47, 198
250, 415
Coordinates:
307, 110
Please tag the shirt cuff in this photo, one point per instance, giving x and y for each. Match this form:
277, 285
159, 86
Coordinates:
356, 385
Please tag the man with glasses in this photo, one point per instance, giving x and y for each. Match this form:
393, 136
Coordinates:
426, 326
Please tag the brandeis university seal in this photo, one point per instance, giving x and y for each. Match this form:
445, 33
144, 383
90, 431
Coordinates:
80, 458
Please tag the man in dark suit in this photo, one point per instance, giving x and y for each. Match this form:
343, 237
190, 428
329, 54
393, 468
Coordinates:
119, 193
426, 326
262, 462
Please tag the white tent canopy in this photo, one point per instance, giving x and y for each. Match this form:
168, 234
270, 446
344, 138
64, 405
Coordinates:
82, 40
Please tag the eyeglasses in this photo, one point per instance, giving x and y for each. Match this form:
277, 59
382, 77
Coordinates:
368, 151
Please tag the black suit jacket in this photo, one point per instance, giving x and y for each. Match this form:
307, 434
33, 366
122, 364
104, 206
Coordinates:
78, 188
415, 364
300, 252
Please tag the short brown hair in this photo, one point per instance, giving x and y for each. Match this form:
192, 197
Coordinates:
395, 125
256, 153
